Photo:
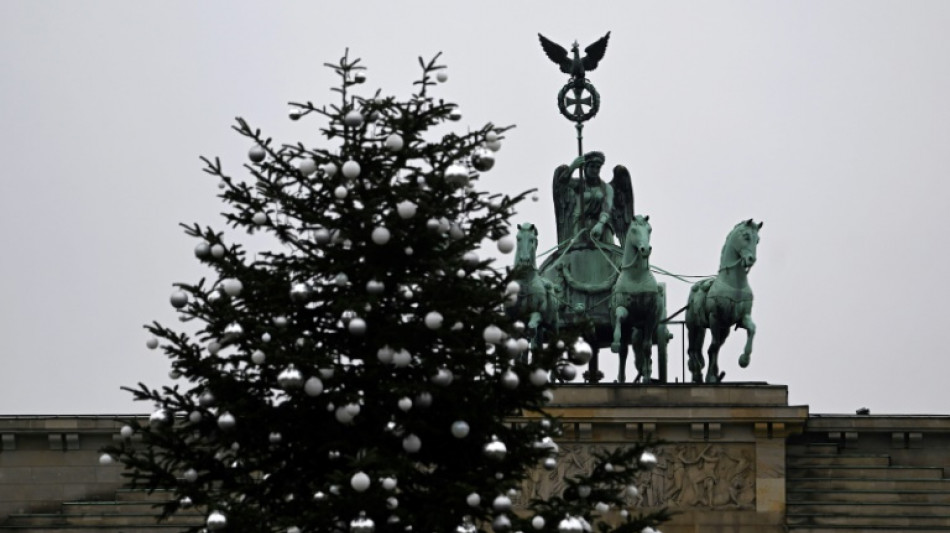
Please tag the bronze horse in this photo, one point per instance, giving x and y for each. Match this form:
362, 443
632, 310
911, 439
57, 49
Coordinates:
638, 305
723, 302
536, 297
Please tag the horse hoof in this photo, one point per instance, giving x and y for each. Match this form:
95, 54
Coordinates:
615, 347
744, 360
711, 379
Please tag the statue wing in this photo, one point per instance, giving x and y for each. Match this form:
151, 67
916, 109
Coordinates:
622, 212
563, 202
595, 52
556, 53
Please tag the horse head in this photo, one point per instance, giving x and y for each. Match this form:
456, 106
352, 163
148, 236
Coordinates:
636, 244
740, 246
526, 250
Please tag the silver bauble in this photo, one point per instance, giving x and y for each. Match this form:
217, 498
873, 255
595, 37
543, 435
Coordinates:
300, 292
231, 286
360, 482
460, 429
190, 475
539, 377
583, 491
423, 399
126, 432
470, 258
406, 209
380, 235
152, 343
353, 119
537, 522
226, 421
290, 378
259, 218
443, 377
392, 503
389, 483
202, 250
258, 357
501, 523
510, 379
483, 159
512, 347
185, 502
567, 372
362, 524
501, 503
385, 355
394, 143
206, 399
495, 449
550, 463
405, 404
257, 153
313, 386
506, 244
194, 417
411, 443
217, 251
329, 169
275, 437
570, 525
357, 326
375, 287
601, 507
433, 320
582, 353
493, 334
456, 174
351, 170
233, 331
491, 137
473, 500
216, 521
307, 166
402, 358
494, 146
159, 418
106, 459
340, 192
442, 76
179, 299
466, 526
647, 460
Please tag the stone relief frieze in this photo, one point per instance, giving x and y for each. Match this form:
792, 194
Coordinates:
709, 476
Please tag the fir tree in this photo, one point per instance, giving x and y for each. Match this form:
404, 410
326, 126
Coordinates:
357, 378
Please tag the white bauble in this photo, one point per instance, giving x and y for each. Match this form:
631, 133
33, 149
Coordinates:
494, 146
411, 443
389, 483
506, 244
385, 355
406, 209
493, 334
351, 169
434, 320
106, 459
470, 258
402, 358
217, 251
307, 166
394, 143
510, 379
473, 500
226, 421
126, 432
360, 482
405, 404
424, 399
456, 174
380, 235
259, 218
582, 353
152, 343
443, 377
321, 235
491, 137
537, 522
258, 357
340, 192
232, 287
539, 377
329, 169
313, 386
375, 287
216, 521
357, 326
442, 76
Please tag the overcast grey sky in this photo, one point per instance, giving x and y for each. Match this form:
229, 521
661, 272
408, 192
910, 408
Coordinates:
828, 120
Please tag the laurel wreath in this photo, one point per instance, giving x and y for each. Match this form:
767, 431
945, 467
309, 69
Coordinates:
583, 117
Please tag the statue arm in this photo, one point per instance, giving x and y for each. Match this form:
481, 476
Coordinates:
563, 201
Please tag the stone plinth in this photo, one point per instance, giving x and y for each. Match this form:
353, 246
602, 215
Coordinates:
721, 452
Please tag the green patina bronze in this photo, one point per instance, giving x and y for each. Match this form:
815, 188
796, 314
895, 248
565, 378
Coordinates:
599, 279
720, 303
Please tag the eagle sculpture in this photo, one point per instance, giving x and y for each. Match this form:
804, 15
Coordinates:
574, 64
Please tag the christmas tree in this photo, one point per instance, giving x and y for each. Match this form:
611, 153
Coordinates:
363, 375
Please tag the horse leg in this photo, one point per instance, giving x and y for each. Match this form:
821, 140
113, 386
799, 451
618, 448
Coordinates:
662, 336
636, 341
719, 334
620, 314
749, 326
697, 335
646, 354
